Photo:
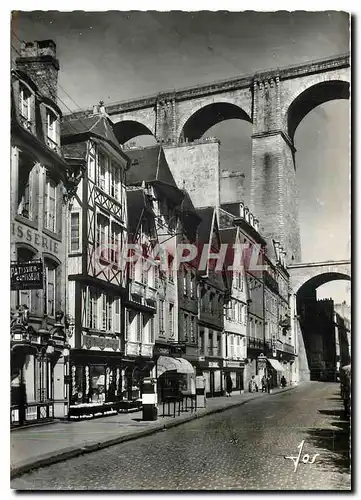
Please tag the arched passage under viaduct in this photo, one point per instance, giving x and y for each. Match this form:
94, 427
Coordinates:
313, 321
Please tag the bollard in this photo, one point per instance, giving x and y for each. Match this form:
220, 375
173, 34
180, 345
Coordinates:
149, 399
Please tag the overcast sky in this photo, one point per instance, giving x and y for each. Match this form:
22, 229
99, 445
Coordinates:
116, 56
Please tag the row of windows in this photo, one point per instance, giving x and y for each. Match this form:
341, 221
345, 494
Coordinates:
106, 173
255, 328
101, 310
211, 302
166, 313
238, 281
271, 304
189, 284
214, 346
237, 347
236, 311
28, 204
108, 238
189, 328
144, 271
140, 327
27, 116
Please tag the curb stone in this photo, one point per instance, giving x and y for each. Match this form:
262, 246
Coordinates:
68, 453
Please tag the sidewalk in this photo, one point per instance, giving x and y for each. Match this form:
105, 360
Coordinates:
35, 447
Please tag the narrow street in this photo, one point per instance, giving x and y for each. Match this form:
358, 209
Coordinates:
241, 448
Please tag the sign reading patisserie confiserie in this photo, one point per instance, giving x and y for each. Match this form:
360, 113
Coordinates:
26, 275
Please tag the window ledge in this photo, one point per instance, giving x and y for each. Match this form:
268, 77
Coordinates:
50, 233
28, 222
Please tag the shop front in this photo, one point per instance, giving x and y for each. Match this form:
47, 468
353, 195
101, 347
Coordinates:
175, 375
276, 371
213, 376
95, 382
38, 371
236, 371
134, 371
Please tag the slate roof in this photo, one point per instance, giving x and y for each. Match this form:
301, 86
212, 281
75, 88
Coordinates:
232, 208
148, 164
98, 125
136, 203
228, 235
205, 226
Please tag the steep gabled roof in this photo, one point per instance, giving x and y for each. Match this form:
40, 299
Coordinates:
231, 208
98, 125
228, 235
205, 226
136, 204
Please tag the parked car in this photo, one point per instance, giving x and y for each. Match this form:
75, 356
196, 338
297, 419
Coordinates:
345, 380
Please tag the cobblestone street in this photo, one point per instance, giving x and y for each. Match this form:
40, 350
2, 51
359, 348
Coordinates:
241, 448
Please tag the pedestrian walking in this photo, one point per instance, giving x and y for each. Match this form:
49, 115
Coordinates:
229, 385
253, 385
269, 383
264, 383
283, 381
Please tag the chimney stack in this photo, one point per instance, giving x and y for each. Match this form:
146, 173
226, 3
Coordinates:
38, 60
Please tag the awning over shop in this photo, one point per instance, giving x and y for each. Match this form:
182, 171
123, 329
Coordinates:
180, 365
276, 365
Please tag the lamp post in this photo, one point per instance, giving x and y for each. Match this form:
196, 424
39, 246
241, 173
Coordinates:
66, 355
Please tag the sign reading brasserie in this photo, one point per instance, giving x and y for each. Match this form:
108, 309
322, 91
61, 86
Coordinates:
26, 275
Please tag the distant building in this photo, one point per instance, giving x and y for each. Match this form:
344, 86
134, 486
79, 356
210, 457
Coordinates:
235, 315
270, 348
212, 290
327, 337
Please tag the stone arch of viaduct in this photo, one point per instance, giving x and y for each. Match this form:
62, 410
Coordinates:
274, 102
305, 278
315, 274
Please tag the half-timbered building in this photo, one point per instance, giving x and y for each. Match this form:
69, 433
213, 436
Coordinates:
150, 173
97, 277
141, 300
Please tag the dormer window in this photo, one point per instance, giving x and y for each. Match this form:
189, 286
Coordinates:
246, 214
52, 125
241, 210
25, 97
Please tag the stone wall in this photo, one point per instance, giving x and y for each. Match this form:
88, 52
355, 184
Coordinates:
195, 167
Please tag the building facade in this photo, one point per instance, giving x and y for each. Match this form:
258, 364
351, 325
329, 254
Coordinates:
235, 312
211, 297
149, 174
42, 184
97, 280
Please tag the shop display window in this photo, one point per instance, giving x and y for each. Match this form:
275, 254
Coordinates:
97, 383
